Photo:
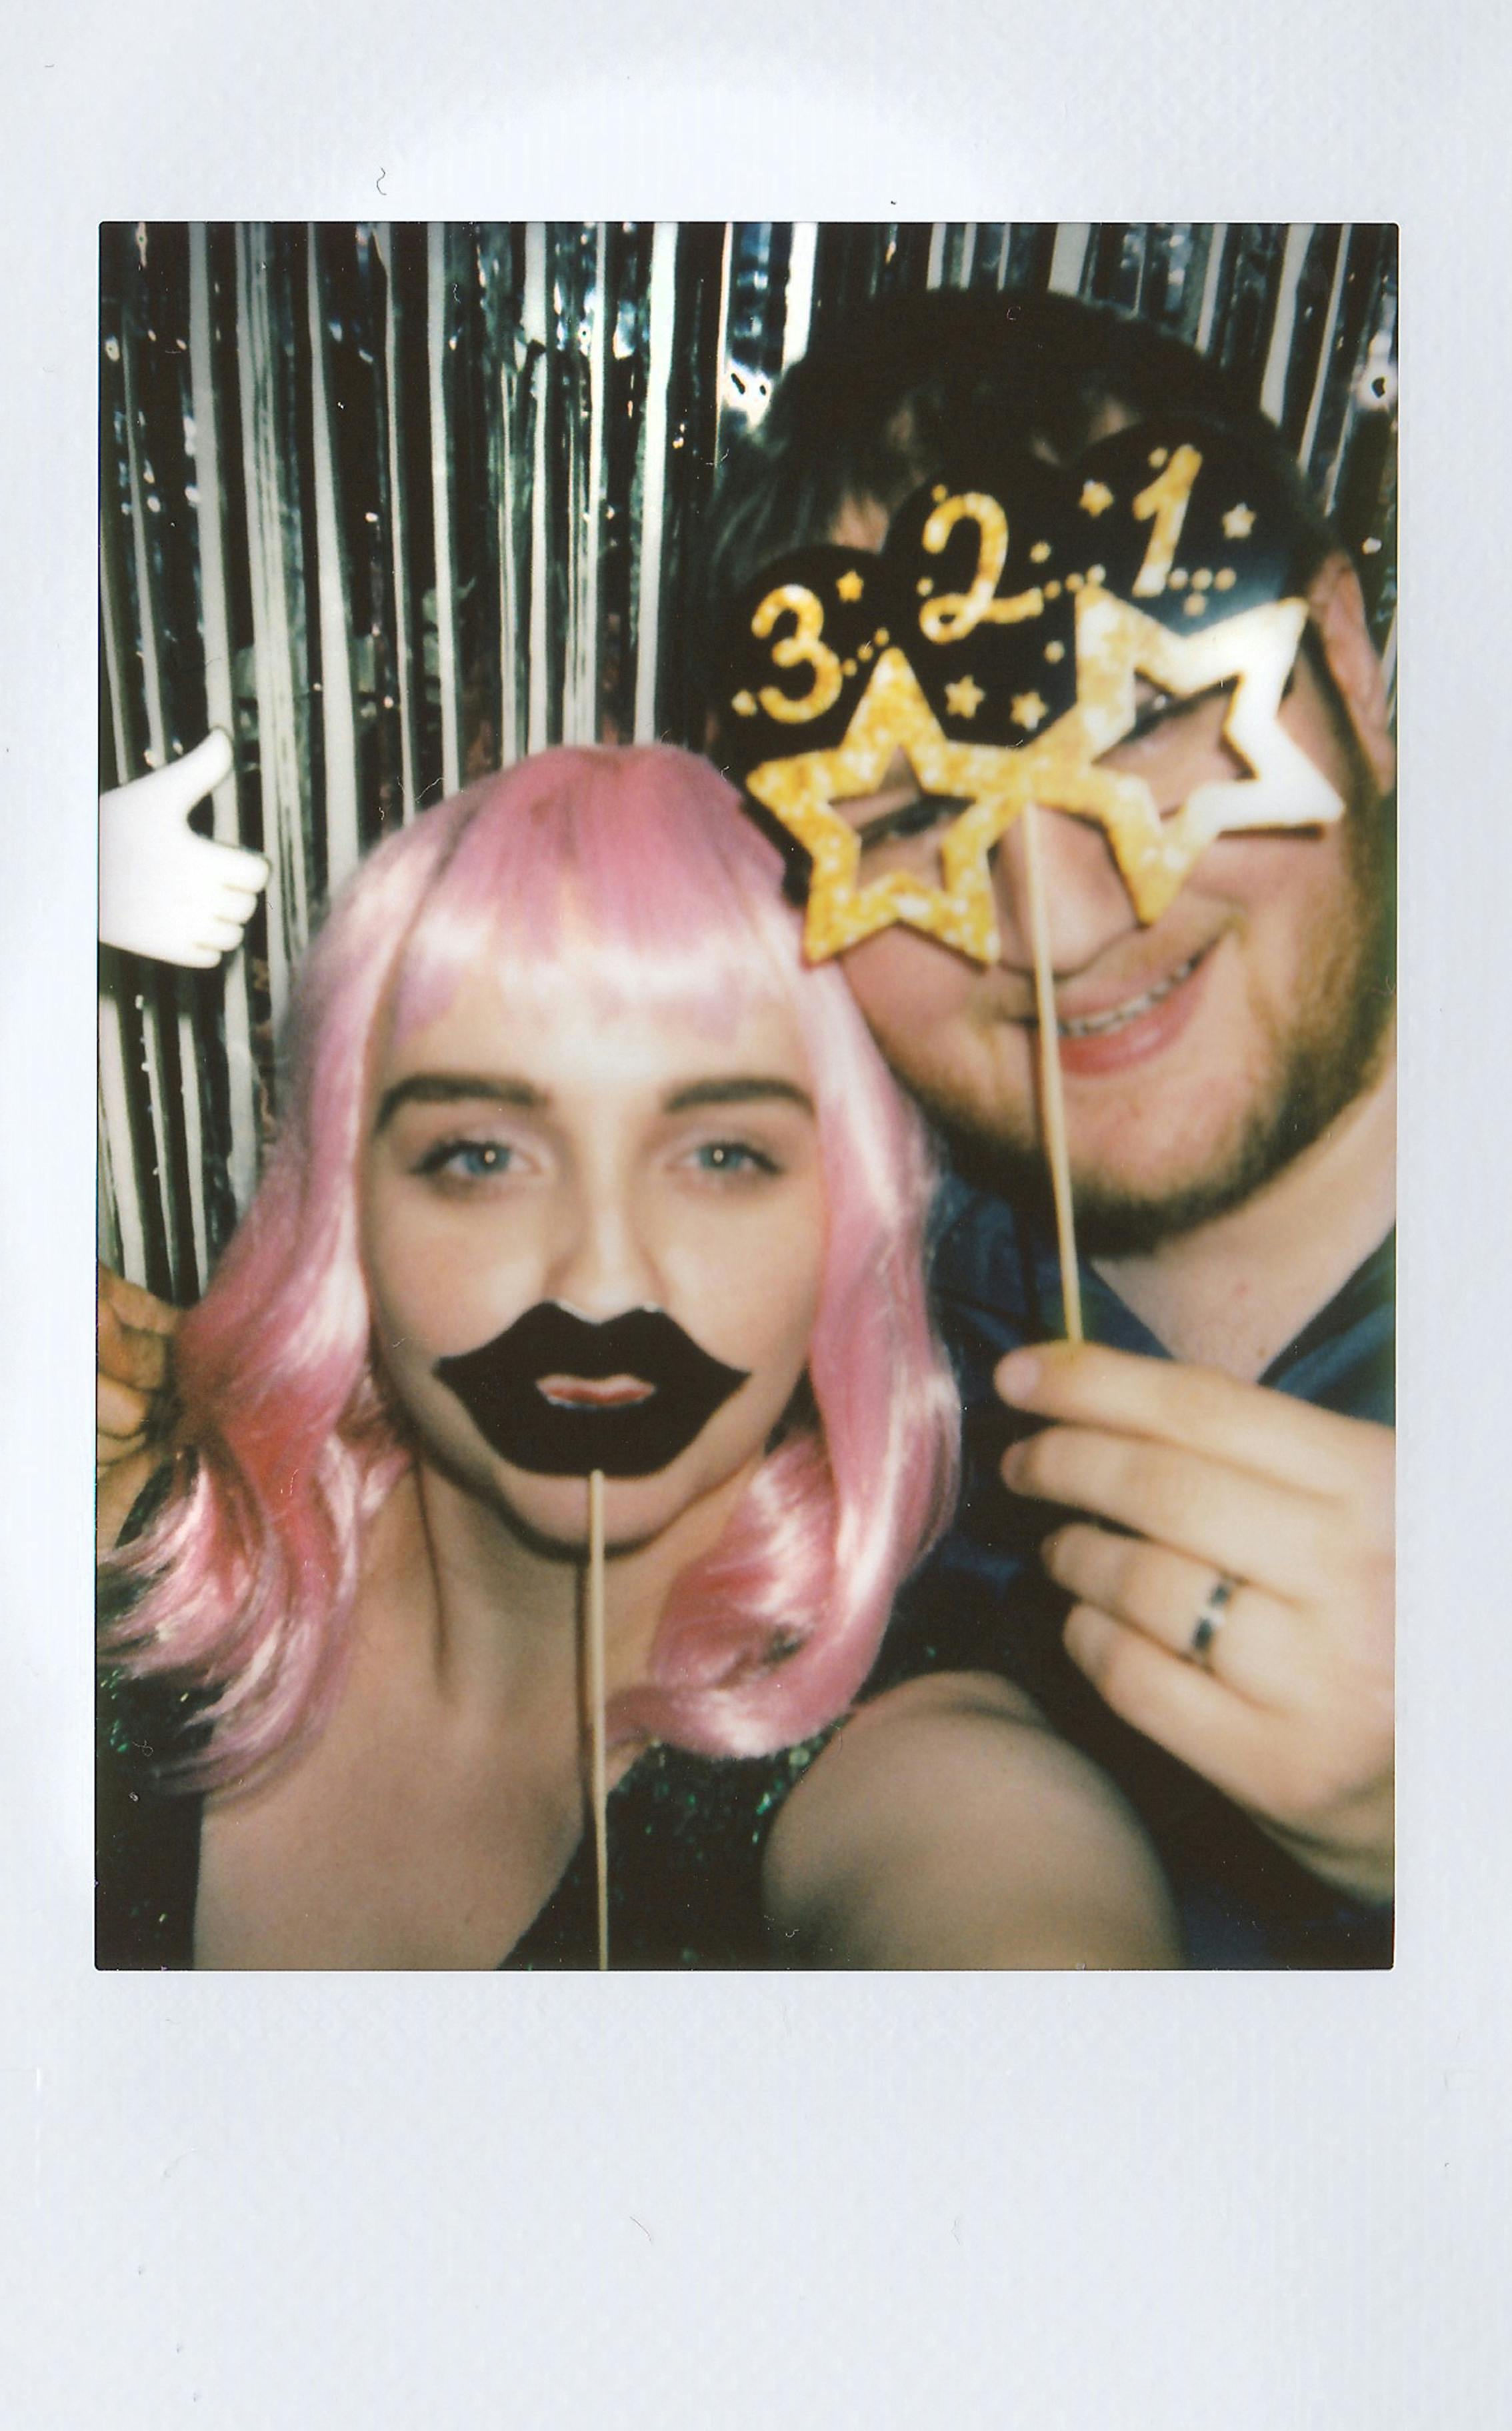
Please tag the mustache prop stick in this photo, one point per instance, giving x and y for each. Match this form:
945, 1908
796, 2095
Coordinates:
998, 641
598, 1762
560, 1395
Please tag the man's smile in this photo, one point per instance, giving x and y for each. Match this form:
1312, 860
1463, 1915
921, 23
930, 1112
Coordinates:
1120, 1036
1096, 1025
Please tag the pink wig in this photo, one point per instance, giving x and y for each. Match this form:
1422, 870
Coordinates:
633, 877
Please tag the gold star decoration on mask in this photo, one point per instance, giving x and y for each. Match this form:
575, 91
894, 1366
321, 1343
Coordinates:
1096, 497
850, 585
1240, 522
964, 698
799, 791
1114, 645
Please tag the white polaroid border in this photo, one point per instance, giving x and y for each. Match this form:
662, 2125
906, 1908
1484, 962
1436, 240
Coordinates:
1118, 2201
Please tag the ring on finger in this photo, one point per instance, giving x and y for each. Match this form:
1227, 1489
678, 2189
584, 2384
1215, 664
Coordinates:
1211, 1618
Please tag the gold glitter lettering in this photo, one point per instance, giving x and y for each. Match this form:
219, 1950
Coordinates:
1165, 502
955, 613
802, 648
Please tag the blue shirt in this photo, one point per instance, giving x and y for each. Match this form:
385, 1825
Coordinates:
983, 1602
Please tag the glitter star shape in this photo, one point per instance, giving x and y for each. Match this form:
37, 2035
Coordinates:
1115, 643
850, 585
1239, 522
1027, 709
800, 790
964, 698
1096, 497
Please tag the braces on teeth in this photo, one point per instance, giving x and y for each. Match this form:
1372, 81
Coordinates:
1093, 1024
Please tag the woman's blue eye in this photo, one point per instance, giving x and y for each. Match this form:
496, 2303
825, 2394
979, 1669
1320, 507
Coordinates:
476, 1159
733, 1156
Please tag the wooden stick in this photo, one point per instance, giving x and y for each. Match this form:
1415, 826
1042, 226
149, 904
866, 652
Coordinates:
1050, 1077
596, 1701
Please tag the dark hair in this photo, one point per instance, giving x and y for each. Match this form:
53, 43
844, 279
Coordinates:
907, 385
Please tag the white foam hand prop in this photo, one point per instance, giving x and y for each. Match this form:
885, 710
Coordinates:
165, 891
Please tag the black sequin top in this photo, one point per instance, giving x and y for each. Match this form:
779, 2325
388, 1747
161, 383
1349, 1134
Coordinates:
687, 1835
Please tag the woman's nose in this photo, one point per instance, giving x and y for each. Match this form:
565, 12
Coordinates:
1088, 905
601, 1261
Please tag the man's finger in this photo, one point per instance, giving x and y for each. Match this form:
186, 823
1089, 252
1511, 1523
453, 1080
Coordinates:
1184, 1708
1283, 1539
1257, 1650
1249, 1425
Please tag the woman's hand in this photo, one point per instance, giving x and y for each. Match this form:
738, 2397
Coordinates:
1247, 1624
132, 1343
134, 1339
945, 1826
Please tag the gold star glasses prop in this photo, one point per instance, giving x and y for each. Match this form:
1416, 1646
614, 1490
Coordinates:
1164, 555
1253, 653
801, 789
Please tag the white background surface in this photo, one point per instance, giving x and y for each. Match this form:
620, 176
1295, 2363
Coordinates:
1255, 2202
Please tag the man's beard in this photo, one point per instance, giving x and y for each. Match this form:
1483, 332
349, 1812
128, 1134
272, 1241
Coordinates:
1330, 1055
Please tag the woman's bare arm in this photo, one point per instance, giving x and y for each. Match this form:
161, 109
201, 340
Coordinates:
947, 1826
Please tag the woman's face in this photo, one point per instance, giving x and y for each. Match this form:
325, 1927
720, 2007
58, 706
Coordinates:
515, 1158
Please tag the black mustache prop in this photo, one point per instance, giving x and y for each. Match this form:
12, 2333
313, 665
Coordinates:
500, 1387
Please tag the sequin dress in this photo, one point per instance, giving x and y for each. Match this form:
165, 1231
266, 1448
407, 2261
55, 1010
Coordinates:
687, 1835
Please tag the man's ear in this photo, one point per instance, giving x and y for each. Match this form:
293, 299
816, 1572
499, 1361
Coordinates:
1337, 608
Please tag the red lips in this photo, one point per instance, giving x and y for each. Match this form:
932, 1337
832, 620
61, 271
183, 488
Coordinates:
593, 1392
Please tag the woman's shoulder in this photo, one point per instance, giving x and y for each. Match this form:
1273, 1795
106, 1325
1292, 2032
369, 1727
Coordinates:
951, 1827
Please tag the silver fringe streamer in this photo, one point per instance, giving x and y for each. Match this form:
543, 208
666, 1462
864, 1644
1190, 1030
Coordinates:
396, 504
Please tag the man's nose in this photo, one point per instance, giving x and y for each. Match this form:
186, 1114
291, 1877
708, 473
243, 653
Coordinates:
1088, 905
602, 1263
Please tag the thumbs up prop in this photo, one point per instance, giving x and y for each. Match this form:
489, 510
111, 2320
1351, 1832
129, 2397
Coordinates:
164, 891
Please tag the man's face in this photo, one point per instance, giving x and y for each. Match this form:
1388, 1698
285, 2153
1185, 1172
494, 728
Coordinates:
1199, 1054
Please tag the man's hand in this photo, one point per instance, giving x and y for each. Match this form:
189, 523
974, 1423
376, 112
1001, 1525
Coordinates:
1288, 1706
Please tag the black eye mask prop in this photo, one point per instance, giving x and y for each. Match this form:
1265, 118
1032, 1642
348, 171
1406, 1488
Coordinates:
560, 1396
997, 641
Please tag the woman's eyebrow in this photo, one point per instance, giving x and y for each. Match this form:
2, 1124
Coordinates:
453, 1089
740, 1089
